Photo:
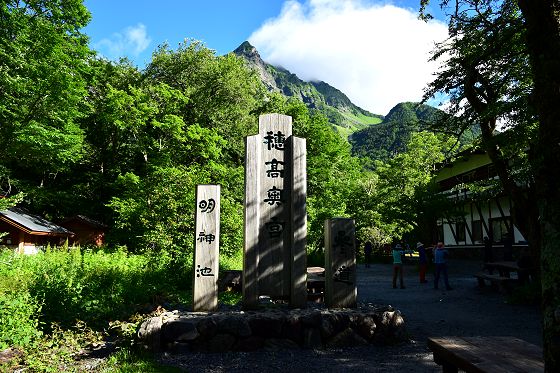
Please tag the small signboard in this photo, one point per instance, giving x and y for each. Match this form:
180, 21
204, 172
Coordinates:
206, 243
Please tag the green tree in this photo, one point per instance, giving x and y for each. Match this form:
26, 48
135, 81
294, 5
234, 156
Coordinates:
43, 58
156, 213
222, 93
397, 196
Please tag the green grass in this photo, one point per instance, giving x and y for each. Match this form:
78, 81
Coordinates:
127, 361
353, 123
55, 304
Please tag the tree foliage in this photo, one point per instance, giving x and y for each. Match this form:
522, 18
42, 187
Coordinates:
398, 195
43, 56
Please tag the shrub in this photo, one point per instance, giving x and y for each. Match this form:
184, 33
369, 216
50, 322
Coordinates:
18, 319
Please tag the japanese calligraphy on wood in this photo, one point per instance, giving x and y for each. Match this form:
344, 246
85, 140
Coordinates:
207, 234
340, 263
274, 261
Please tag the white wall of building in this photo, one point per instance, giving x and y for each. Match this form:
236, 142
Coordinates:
480, 219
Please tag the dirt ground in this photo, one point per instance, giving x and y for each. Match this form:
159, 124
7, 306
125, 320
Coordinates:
464, 311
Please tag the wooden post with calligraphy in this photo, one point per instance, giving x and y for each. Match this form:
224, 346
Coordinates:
340, 263
274, 261
206, 248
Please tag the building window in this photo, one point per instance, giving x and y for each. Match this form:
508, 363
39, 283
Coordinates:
498, 229
460, 231
477, 231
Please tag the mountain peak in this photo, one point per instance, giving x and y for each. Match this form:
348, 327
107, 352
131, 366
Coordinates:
248, 51
252, 57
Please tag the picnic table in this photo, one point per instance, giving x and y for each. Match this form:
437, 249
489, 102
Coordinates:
486, 354
505, 269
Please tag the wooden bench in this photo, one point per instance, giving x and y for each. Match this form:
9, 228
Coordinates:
502, 283
486, 354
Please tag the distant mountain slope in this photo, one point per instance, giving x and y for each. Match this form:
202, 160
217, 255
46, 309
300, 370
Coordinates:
319, 96
391, 136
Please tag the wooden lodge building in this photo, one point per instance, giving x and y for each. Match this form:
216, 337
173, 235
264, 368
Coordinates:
475, 217
86, 230
27, 233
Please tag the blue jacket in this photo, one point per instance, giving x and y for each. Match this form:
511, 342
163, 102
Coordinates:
440, 255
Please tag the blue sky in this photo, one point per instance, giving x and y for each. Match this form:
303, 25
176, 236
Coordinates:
374, 51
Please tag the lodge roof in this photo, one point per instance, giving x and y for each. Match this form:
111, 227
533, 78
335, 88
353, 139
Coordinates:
85, 220
32, 224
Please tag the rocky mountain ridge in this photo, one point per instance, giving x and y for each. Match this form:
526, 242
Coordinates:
319, 96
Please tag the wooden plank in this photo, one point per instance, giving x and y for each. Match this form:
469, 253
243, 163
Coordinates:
445, 350
297, 256
509, 353
251, 217
207, 243
488, 354
340, 263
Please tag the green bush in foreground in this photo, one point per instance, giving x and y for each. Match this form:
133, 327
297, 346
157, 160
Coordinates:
56, 303
18, 319
65, 287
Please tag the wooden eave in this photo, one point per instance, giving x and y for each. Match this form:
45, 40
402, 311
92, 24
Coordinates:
34, 233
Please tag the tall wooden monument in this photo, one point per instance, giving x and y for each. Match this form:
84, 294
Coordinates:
274, 257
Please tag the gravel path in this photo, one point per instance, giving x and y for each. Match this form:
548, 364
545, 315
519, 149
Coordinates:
464, 311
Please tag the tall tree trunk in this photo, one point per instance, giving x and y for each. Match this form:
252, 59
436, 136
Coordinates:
542, 21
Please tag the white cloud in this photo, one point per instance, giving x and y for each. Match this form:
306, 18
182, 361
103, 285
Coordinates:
131, 41
376, 54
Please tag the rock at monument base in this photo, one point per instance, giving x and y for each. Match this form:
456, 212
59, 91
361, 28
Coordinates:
391, 328
237, 326
292, 329
207, 327
365, 327
312, 319
272, 329
252, 343
150, 333
179, 330
277, 344
220, 343
347, 337
312, 338
269, 326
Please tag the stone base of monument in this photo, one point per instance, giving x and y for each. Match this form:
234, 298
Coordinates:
179, 332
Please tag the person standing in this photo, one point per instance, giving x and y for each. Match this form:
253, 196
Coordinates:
367, 253
398, 266
440, 260
422, 262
